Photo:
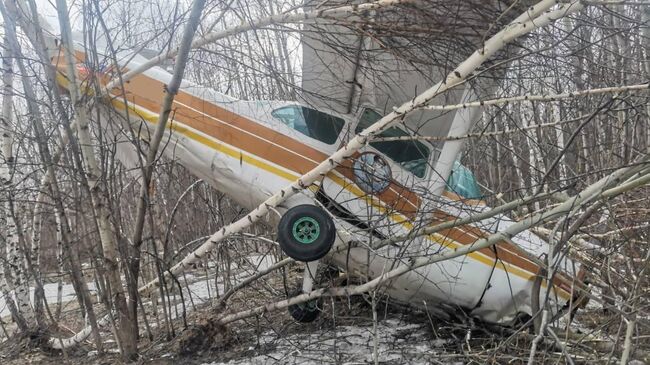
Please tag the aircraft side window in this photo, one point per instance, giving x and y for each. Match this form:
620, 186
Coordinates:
310, 122
412, 155
462, 182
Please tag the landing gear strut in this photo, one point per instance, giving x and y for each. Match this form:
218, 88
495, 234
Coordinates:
308, 311
306, 233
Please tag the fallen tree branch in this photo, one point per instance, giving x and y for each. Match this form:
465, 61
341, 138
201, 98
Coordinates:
461, 221
481, 134
543, 97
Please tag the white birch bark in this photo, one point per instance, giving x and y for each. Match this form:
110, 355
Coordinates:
5, 166
16, 261
93, 171
60, 268
542, 97
630, 326
5, 286
128, 330
37, 220
15, 256
32, 27
645, 19
39, 294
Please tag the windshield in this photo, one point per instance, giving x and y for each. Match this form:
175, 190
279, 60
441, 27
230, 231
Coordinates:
312, 123
411, 155
462, 182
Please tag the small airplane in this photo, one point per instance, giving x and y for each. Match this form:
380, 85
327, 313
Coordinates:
251, 149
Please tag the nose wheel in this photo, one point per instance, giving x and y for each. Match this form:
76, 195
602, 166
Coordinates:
306, 233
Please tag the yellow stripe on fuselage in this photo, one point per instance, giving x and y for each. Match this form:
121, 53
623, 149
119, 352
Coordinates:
253, 160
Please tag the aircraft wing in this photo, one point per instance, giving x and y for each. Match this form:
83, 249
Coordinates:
346, 67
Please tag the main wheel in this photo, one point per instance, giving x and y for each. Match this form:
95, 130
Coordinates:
305, 312
306, 233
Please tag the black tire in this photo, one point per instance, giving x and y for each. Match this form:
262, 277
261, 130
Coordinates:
305, 312
316, 243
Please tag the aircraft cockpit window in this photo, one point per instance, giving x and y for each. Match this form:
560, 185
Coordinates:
310, 122
462, 182
412, 155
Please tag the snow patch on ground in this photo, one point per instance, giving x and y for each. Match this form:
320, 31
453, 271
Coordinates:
397, 342
201, 288
51, 291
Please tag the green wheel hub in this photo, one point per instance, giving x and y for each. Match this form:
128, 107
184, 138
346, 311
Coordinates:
306, 230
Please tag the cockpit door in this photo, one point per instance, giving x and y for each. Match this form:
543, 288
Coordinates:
379, 185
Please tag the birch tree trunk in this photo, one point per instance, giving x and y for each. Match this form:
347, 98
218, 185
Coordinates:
15, 258
39, 295
5, 179
6, 290
645, 19
93, 174
16, 261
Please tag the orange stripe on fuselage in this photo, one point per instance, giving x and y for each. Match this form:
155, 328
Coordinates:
259, 140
